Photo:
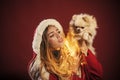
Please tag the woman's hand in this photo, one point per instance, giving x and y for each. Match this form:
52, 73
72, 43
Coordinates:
84, 48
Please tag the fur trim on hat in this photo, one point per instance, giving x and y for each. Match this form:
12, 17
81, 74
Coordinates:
39, 31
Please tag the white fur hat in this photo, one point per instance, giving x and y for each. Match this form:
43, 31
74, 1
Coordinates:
39, 32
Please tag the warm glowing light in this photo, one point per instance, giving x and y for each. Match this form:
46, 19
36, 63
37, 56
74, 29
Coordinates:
70, 58
71, 55
72, 45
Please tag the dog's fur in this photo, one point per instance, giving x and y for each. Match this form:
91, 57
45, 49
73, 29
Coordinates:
83, 26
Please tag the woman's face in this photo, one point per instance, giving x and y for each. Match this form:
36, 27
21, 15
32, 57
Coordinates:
55, 37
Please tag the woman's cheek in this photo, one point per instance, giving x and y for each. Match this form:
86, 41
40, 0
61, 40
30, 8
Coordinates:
52, 42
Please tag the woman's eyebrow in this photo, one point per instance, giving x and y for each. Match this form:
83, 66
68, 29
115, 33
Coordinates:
52, 32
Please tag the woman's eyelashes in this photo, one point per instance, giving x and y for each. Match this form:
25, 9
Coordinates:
51, 35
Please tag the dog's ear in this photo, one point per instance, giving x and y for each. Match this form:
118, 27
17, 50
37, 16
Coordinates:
73, 20
93, 22
86, 19
74, 17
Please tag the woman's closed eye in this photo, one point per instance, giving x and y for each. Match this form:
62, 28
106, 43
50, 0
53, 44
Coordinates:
51, 35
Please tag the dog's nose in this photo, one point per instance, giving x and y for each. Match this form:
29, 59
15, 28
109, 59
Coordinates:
78, 30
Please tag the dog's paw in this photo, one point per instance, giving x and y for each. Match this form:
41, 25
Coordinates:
85, 36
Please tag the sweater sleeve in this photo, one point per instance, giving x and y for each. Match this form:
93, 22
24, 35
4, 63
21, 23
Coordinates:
53, 77
94, 67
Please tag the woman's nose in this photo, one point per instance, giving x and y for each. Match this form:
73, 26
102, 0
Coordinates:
57, 35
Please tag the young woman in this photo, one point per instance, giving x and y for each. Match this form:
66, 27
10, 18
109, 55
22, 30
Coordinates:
52, 59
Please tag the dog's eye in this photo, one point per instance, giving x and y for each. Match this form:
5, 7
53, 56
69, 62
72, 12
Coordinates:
82, 27
76, 26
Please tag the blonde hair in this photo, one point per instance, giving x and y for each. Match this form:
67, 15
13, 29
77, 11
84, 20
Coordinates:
60, 66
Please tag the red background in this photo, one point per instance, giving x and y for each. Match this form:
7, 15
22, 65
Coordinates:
19, 18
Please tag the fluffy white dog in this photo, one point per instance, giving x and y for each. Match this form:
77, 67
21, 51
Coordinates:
83, 27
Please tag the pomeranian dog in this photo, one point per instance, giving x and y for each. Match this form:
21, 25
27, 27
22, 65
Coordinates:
83, 28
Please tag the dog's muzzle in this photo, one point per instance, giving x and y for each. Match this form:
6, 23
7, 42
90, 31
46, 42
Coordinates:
77, 30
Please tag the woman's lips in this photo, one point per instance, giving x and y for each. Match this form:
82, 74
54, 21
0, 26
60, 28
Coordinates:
60, 40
